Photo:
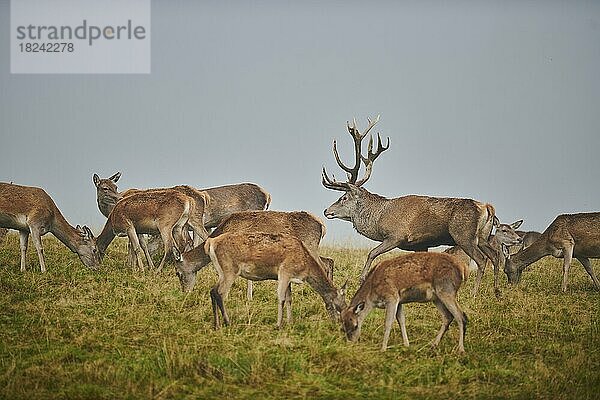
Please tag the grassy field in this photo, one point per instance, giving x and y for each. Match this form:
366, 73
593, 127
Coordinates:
75, 333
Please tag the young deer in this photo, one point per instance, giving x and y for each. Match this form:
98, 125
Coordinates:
416, 277
504, 237
265, 256
31, 210
413, 223
568, 236
157, 212
300, 224
224, 200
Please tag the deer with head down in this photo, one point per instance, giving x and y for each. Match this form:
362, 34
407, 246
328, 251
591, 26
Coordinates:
266, 256
30, 210
416, 277
157, 212
412, 222
224, 200
568, 236
501, 241
300, 224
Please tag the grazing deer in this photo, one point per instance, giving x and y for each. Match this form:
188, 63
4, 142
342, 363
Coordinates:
156, 212
528, 237
31, 210
225, 200
300, 224
417, 277
568, 236
413, 223
266, 256
504, 237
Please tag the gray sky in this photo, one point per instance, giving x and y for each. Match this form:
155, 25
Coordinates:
497, 101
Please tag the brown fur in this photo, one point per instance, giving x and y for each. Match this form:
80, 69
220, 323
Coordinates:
505, 237
164, 212
568, 236
266, 256
31, 210
416, 277
412, 222
300, 224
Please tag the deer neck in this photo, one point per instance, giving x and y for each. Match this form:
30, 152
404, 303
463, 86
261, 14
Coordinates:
321, 284
537, 250
106, 203
105, 238
368, 213
66, 233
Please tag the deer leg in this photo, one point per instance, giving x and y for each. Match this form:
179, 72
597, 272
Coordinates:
288, 303
384, 247
401, 318
249, 291
568, 256
391, 309
218, 295
131, 258
588, 268
500, 264
23, 238
477, 255
283, 284
166, 233
449, 300
144, 245
135, 244
446, 321
37, 241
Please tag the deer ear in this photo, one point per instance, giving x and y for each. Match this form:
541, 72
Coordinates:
176, 253
359, 307
89, 233
496, 221
96, 179
115, 177
343, 288
516, 225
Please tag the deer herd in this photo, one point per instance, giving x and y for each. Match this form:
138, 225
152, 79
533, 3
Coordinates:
230, 227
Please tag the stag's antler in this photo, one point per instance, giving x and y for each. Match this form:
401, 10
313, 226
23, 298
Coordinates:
352, 173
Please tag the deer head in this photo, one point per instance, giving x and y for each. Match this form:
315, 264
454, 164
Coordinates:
86, 248
346, 206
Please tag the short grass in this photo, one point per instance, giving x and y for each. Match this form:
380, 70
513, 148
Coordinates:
75, 333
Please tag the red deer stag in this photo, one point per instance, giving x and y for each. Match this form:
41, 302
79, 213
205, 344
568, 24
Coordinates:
31, 210
409, 222
568, 236
156, 212
416, 277
266, 256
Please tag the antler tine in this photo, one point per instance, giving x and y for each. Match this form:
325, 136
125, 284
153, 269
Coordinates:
380, 148
332, 183
371, 157
338, 160
372, 123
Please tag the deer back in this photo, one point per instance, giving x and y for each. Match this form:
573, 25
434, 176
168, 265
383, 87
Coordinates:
225, 200
300, 224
